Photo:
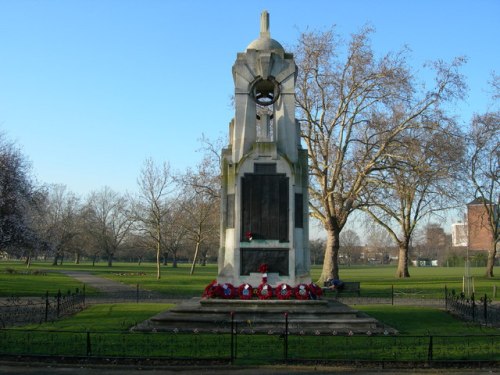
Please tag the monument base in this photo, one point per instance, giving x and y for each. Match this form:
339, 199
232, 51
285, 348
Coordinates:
259, 316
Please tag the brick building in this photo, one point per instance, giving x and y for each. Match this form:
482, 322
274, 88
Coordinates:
479, 228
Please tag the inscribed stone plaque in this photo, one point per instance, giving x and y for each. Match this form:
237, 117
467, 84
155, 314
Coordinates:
276, 259
265, 207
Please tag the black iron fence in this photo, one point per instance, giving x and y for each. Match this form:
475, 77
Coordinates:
17, 311
470, 308
133, 294
241, 348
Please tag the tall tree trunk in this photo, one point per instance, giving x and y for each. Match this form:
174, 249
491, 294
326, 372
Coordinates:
158, 251
195, 257
491, 259
110, 259
402, 270
77, 258
174, 260
331, 262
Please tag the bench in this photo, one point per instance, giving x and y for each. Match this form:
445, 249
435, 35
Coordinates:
349, 287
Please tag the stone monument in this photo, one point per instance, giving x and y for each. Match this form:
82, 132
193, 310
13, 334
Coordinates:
264, 216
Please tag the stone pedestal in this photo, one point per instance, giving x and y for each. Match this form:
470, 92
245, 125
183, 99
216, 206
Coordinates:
255, 316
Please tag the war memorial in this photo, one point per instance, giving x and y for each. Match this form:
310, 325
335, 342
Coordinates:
264, 262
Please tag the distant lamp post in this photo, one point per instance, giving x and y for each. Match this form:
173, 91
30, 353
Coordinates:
468, 280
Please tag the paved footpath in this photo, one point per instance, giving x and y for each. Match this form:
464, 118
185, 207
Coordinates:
99, 283
112, 291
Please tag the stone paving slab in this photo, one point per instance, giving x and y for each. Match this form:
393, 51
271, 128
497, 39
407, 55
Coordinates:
100, 283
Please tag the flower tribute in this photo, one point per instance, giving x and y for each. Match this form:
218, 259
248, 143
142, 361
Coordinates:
264, 291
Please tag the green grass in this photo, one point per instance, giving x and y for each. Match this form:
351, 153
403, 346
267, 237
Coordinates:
408, 320
106, 327
426, 282
105, 317
376, 281
413, 320
36, 285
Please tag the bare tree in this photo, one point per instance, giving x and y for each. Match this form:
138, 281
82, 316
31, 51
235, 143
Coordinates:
317, 250
201, 221
174, 232
341, 97
109, 220
484, 169
59, 224
418, 181
201, 203
349, 245
155, 186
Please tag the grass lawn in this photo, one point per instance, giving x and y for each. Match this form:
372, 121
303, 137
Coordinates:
105, 317
412, 320
376, 281
22, 284
102, 330
408, 320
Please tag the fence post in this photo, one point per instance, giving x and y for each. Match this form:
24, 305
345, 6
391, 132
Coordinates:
89, 347
232, 337
430, 349
46, 305
473, 307
485, 309
446, 298
286, 337
58, 302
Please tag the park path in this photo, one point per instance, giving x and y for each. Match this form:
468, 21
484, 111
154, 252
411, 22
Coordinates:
100, 283
111, 291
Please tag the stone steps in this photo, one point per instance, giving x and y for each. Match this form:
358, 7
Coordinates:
255, 316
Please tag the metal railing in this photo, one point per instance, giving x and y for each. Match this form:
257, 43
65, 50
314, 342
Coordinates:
469, 308
17, 311
237, 346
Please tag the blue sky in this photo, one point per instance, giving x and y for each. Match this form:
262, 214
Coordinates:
90, 89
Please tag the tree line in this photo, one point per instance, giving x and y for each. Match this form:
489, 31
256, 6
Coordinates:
379, 141
384, 143
169, 216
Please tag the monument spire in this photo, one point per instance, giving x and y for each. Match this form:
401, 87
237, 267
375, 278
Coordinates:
264, 25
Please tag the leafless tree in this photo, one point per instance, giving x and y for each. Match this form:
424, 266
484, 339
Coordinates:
59, 224
201, 221
174, 232
201, 203
317, 250
484, 168
349, 246
418, 181
342, 97
109, 220
155, 186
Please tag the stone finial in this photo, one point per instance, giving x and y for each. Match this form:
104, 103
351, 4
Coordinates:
264, 25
